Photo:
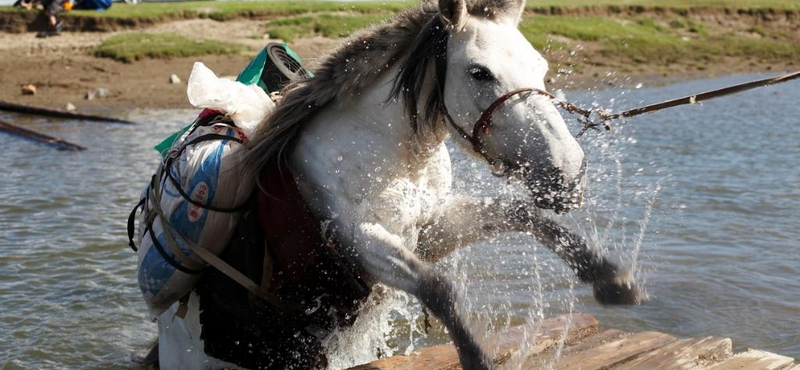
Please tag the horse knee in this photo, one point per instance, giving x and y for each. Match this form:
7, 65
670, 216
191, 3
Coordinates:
437, 293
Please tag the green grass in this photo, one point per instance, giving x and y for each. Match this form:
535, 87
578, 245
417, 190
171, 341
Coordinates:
757, 30
645, 41
228, 9
675, 4
677, 24
129, 47
222, 10
331, 25
640, 39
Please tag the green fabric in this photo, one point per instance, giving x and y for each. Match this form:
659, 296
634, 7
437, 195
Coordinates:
163, 147
251, 75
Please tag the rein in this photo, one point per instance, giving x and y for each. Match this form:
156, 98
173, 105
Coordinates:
604, 116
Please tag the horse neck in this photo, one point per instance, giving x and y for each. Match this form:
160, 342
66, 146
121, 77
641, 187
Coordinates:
368, 119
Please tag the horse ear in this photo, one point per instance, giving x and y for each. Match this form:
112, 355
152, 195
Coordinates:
453, 13
520, 9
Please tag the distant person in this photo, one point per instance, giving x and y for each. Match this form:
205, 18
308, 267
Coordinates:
51, 10
98, 5
27, 4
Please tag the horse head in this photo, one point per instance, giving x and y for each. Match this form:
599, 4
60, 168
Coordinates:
522, 134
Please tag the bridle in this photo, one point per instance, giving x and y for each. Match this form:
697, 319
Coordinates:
604, 117
484, 123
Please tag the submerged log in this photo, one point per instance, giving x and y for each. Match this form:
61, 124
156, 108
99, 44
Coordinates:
56, 113
55, 142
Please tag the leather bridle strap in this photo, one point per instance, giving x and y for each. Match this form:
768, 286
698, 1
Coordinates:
484, 122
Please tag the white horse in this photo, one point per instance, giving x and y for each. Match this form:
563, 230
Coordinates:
365, 142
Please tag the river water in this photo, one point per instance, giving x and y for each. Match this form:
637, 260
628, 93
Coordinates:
703, 202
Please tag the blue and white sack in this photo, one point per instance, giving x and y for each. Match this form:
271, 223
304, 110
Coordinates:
192, 205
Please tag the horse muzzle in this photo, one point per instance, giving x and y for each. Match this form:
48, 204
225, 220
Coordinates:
550, 190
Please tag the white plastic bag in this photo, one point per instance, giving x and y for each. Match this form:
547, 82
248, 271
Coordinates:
245, 105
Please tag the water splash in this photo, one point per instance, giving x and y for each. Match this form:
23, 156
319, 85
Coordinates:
511, 280
386, 326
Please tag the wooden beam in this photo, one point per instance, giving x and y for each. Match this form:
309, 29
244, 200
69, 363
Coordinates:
754, 359
57, 113
445, 357
24, 133
610, 354
683, 354
546, 359
598, 339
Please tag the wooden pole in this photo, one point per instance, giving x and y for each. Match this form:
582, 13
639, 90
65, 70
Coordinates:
39, 137
28, 109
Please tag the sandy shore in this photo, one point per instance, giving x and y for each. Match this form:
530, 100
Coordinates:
64, 71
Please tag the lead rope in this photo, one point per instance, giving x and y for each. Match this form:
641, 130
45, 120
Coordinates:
606, 116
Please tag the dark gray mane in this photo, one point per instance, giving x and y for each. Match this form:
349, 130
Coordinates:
357, 63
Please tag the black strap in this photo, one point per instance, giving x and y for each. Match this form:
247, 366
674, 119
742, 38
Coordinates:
167, 257
131, 222
175, 183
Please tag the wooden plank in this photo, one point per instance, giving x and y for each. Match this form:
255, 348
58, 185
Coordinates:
549, 334
445, 357
545, 359
596, 340
754, 359
683, 354
24, 133
56, 113
609, 354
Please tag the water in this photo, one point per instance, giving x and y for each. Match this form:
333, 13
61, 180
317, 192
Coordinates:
703, 201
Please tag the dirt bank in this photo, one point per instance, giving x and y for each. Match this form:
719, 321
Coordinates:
20, 22
64, 71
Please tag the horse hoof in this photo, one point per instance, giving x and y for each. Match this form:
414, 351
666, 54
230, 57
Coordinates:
476, 361
620, 290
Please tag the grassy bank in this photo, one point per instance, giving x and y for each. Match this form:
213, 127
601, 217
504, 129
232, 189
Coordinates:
606, 32
655, 38
129, 47
659, 40
230, 9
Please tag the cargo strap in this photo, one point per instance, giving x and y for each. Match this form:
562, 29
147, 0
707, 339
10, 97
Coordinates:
204, 254
151, 204
173, 155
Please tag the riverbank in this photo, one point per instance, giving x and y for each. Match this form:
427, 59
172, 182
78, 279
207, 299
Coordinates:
588, 44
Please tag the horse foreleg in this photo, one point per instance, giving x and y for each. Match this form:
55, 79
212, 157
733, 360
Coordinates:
383, 255
469, 220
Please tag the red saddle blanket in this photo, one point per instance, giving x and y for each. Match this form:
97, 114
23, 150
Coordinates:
306, 270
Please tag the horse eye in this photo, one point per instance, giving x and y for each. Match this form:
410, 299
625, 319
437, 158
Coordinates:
480, 73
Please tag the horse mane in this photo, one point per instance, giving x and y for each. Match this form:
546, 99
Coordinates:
357, 63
